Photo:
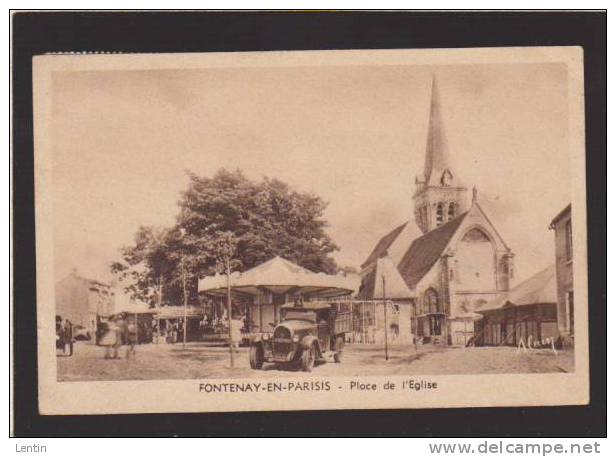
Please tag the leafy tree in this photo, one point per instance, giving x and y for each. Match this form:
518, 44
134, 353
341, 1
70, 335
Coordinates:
148, 264
228, 216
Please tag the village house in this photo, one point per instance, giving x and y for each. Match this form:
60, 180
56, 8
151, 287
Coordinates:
563, 243
84, 302
450, 255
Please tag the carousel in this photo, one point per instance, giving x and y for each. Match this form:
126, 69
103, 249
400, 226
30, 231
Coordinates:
258, 293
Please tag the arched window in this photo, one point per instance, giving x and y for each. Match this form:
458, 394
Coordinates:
476, 267
451, 213
446, 178
475, 235
439, 214
431, 304
424, 217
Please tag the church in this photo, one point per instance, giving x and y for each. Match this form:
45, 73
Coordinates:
450, 255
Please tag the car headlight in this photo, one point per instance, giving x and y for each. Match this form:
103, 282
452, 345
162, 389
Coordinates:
295, 338
266, 336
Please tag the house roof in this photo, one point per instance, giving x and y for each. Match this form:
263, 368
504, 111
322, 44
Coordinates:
539, 288
566, 210
426, 250
75, 274
372, 286
383, 245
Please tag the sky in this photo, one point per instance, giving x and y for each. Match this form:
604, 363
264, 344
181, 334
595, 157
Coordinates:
122, 142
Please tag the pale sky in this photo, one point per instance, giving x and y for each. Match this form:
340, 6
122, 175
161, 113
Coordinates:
356, 136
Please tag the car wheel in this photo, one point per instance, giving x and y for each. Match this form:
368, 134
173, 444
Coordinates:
308, 357
256, 357
338, 349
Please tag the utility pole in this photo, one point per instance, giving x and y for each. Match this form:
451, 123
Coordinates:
229, 311
160, 290
385, 316
185, 302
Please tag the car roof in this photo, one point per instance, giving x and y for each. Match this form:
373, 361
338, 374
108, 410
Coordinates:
308, 306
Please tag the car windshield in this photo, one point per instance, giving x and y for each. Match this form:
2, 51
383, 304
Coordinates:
300, 314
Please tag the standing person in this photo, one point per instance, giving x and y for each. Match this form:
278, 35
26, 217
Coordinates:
62, 336
120, 330
110, 340
174, 333
180, 330
68, 336
131, 338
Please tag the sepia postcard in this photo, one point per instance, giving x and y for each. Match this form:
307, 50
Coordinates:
311, 230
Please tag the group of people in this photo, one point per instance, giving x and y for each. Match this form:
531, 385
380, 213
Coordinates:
64, 335
120, 331
172, 334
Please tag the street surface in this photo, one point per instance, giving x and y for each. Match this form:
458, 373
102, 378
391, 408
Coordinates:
202, 361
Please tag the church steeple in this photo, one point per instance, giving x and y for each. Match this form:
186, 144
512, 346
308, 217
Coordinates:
440, 195
437, 154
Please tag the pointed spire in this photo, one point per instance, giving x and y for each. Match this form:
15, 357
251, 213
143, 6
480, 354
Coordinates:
437, 160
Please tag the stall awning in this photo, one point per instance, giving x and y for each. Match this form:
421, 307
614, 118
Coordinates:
125, 304
539, 288
176, 312
279, 276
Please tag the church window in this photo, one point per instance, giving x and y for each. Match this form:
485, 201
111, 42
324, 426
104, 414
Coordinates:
451, 213
431, 302
424, 217
475, 235
446, 178
439, 214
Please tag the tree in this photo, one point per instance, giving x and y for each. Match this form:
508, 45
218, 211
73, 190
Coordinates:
261, 220
148, 264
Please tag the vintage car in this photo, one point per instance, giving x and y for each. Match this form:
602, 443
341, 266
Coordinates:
307, 332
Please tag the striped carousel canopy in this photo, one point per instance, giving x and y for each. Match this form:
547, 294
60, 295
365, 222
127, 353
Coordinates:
279, 276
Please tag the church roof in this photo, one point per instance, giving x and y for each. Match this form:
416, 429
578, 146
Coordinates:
539, 288
372, 284
383, 245
426, 250
437, 150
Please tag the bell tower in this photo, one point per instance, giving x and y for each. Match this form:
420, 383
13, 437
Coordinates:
439, 195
